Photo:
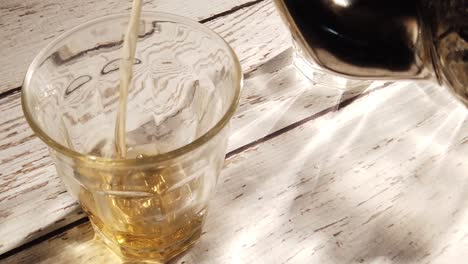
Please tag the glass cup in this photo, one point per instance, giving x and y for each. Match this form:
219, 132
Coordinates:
150, 206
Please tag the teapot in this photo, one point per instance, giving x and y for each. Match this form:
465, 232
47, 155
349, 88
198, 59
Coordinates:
384, 40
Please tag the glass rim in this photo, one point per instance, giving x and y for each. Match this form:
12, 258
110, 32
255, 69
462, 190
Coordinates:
159, 158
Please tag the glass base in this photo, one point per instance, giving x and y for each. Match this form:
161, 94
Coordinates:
129, 254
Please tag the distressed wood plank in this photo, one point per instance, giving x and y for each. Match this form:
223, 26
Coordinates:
32, 198
382, 180
27, 26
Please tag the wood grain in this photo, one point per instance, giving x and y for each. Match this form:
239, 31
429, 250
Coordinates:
346, 187
27, 26
33, 200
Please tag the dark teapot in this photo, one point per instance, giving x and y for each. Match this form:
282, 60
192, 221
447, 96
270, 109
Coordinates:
386, 39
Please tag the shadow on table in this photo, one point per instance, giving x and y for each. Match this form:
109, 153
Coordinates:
73, 245
391, 182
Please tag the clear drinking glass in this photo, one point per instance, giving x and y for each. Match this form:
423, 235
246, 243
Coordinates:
151, 205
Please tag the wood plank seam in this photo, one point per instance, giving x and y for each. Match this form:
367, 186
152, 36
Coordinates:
10, 92
341, 105
230, 11
334, 108
43, 238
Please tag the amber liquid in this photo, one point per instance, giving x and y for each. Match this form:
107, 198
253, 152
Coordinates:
149, 214
155, 223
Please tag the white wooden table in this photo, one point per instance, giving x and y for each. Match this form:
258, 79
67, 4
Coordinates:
314, 175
